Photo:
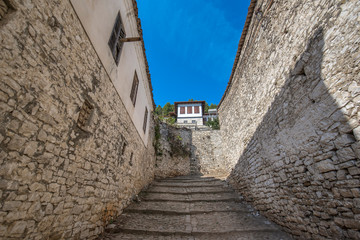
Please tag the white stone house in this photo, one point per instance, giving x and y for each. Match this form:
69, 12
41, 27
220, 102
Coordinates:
115, 32
211, 115
190, 113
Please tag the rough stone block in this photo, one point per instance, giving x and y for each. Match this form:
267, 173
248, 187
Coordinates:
28, 129
345, 154
325, 166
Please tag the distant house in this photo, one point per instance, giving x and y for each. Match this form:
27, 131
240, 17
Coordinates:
190, 113
211, 115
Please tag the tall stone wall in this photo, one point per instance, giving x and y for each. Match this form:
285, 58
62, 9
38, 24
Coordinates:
173, 150
206, 153
70, 156
290, 117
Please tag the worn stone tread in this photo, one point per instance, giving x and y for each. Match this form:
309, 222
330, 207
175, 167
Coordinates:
188, 207
193, 184
200, 209
220, 222
218, 206
244, 235
219, 191
190, 196
185, 190
190, 180
191, 177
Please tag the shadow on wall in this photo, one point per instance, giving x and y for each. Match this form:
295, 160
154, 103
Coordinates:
173, 150
301, 167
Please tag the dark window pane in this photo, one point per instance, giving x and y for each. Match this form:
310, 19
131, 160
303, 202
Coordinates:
145, 119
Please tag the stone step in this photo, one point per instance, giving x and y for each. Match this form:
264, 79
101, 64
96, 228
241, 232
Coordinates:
174, 212
190, 184
215, 181
194, 180
190, 197
184, 190
191, 208
216, 222
189, 177
189, 193
237, 235
184, 207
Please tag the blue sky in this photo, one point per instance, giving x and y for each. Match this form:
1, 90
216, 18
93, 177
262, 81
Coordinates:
191, 46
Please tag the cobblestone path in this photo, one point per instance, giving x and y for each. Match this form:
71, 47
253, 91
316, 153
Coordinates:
191, 207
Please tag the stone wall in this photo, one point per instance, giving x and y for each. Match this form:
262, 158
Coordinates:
290, 117
173, 150
206, 153
70, 156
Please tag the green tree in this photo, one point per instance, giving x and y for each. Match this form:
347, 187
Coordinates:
190, 100
171, 120
213, 106
206, 107
167, 109
159, 110
214, 124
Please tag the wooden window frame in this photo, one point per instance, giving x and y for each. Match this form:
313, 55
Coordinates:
117, 33
189, 110
145, 119
196, 109
182, 110
134, 89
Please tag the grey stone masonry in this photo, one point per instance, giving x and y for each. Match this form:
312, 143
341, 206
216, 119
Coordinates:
206, 153
191, 207
290, 117
70, 157
173, 150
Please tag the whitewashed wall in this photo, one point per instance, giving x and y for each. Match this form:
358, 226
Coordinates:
98, 20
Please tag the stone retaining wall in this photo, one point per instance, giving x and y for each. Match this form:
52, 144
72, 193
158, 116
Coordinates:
173, 148
62, 176
290, 119
207, 156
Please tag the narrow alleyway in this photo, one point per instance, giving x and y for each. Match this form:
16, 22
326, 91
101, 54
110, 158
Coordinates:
191, 207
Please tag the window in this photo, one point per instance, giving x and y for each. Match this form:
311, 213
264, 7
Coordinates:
117, 34
193, 121
134, 89
145, 119
185, 121
196, 109
182, 110
189, 110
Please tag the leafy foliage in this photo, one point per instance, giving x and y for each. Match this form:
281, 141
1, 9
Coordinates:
159, 110
170, 120
207, 107
214, 124
168, 108
157, 144
213, 106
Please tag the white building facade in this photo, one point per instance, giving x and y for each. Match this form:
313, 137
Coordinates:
190, 113
125, 62
210, 116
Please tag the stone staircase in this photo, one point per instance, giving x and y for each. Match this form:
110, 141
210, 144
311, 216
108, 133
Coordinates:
191, 207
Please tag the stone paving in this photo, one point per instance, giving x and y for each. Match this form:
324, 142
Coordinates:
191, 207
